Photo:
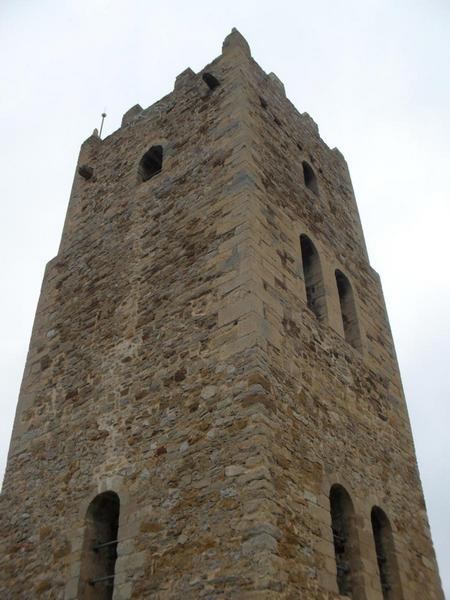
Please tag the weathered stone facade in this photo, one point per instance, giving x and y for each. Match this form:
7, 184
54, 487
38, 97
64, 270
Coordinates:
177, 360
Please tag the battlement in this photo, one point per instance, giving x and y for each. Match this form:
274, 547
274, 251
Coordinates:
235, 48
201, 101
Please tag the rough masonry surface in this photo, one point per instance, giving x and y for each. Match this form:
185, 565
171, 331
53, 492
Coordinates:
178, 360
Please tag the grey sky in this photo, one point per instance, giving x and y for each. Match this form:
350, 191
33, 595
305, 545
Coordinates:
374, 74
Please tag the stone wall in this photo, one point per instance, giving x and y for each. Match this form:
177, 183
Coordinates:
174, 361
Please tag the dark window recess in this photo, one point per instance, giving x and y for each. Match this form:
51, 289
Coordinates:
345, 543
312, 273
100, 548
210, 81
263, 102
348, 310
151, 163
310, 178
386, 558
85, 171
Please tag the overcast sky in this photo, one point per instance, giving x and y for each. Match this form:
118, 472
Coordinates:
374, 74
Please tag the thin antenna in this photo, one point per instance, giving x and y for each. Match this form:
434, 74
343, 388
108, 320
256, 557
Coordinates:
101, 126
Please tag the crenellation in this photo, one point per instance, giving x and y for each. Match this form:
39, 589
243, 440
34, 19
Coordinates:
278, 84
131, 114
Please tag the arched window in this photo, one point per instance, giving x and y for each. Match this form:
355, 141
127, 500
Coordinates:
348, 310
310, 177
312, 272
210, 81
99, 548
386, 558
151, 163
345, 541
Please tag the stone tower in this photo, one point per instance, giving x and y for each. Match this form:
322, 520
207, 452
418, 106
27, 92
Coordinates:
211, 405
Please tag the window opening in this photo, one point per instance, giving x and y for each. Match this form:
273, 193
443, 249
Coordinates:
345, 543
100, 548
210, 81
386, 558
151, 163
339, 524
312, 273
310, 178
348, 310
85, 171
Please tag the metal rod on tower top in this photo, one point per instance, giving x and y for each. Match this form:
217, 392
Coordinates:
101, 126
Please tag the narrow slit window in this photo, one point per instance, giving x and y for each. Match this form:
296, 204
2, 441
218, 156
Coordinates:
310, 178
345, 543
210, 81
312, 273
151, 163
100, 548
386, 557
348, 310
